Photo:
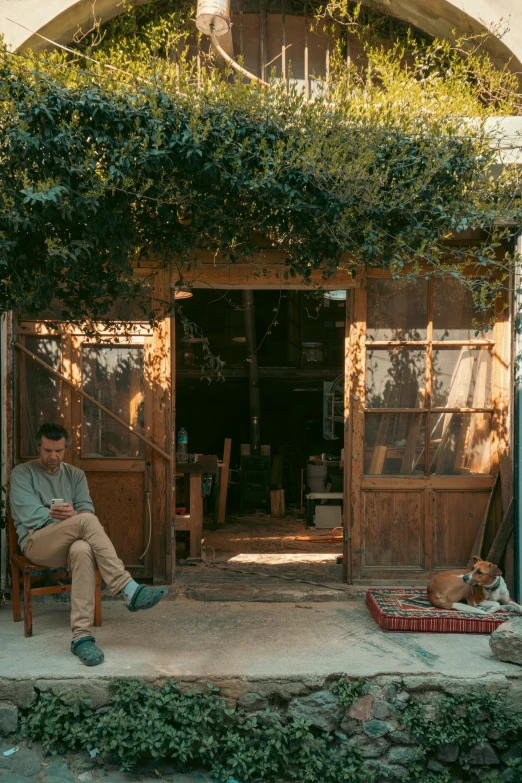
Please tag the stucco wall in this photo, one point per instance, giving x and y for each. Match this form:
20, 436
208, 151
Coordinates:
60, 19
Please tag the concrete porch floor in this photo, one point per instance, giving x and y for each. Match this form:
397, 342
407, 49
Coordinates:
200, 641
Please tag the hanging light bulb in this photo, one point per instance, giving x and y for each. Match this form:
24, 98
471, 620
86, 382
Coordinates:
337, 296
182, 292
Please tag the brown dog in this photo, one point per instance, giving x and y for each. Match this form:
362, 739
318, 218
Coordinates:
483, 589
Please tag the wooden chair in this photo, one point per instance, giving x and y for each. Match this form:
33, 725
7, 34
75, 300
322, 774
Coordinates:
23, 571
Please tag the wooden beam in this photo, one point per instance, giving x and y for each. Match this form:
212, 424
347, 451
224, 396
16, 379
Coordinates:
481, 532
265, 270
504, 532
506, 477
223, 484
93, 401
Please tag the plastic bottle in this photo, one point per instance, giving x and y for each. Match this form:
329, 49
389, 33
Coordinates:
182, 445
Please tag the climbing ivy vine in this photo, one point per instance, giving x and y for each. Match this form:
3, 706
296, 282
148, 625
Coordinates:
128, 150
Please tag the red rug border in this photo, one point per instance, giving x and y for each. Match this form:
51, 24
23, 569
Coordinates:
428, 624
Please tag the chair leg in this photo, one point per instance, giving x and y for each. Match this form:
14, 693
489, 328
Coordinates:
15, 579
28, 605
97, 600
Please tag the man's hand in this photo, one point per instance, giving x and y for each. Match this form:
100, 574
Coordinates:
62, 512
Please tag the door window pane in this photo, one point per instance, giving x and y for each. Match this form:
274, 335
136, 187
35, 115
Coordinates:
460, 444
394, 444
395, 378
397, 310
113, 375
40, 393
461, 378
453, 312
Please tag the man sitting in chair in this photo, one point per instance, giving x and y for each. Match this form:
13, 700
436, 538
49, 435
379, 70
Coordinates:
70, 534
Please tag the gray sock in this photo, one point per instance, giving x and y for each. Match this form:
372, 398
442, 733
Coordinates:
129, 590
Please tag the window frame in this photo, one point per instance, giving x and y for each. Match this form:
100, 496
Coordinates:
427, 410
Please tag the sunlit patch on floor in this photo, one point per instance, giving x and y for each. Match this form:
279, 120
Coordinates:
273, 558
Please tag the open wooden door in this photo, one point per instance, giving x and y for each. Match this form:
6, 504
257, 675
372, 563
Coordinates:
128, 373
117, 464
429, 399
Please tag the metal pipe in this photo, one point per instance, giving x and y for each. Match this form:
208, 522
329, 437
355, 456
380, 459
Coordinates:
253, 371
219, 49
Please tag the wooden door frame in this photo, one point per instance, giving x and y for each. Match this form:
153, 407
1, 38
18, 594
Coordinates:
158, 353
354, 405
219, 273
350, 336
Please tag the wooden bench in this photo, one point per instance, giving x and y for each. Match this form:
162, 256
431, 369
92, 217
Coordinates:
24, 575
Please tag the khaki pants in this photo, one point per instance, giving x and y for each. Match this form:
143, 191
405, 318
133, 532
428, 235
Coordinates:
81, 543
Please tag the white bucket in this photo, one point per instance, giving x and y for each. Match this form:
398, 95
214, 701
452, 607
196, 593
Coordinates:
315, 476
213, 17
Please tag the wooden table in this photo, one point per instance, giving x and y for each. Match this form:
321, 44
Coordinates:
193, 521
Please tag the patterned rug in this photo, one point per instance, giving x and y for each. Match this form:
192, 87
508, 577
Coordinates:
408, 609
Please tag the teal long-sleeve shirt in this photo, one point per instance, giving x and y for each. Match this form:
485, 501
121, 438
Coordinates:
32, 488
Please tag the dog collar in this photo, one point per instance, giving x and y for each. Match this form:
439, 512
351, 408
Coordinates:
492, 587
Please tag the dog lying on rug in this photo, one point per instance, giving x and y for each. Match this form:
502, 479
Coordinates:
484, 590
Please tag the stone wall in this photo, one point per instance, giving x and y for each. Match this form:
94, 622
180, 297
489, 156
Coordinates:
372, 723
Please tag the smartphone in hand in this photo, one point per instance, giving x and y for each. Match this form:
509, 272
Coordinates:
57, 502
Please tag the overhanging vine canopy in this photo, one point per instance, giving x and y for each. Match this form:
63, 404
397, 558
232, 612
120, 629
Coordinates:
100, 169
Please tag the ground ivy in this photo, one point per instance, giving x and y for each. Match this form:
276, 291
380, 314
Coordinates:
195, 730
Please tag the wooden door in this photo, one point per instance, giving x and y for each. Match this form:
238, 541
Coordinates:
128, 480
116, 373
429, 411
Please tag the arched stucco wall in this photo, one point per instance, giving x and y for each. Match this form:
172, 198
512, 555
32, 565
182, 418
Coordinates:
60, 19
440, 17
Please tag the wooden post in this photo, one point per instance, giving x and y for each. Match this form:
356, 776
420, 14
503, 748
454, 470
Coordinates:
162, 470
262, 39
253, 370
348, 437
241, 44
355, 455
196, 515
173, 446
277, 503
223, 484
